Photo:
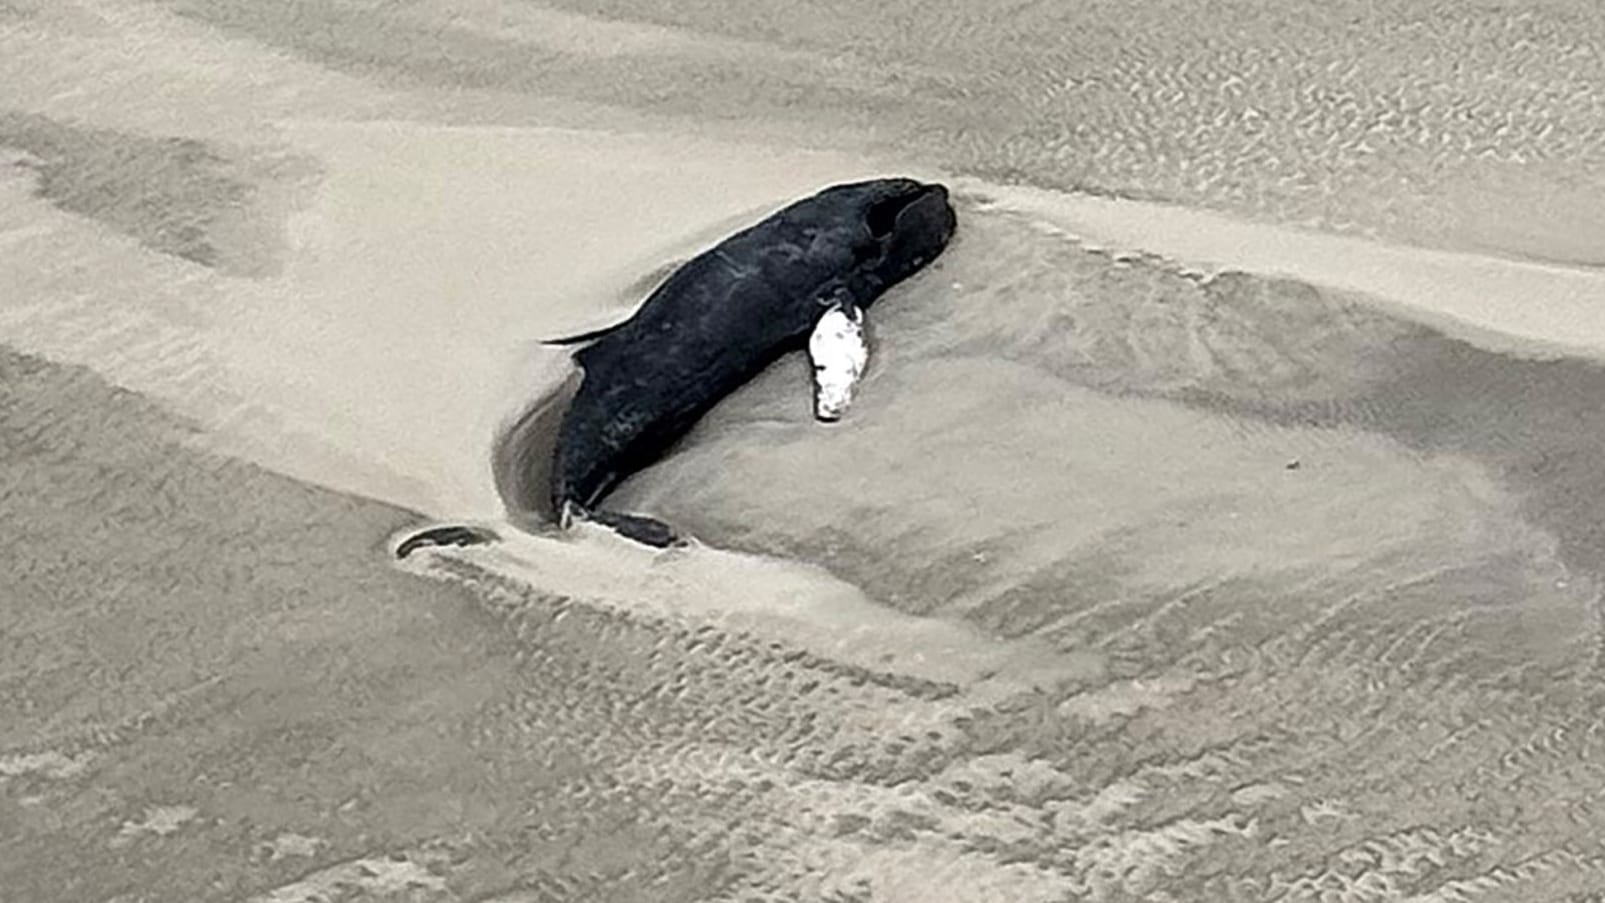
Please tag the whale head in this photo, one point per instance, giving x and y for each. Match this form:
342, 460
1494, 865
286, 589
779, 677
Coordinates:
900, 226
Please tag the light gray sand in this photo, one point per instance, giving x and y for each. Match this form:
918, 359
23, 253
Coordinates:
1131, 584
194, 635
1430, 120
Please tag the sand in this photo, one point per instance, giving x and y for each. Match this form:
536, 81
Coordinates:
1219, 519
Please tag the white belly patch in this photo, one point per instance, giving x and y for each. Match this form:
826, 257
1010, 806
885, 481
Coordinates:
839, 353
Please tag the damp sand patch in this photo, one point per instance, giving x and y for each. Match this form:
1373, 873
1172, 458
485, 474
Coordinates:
219, 207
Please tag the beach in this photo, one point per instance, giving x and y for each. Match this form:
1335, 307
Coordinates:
1219, 518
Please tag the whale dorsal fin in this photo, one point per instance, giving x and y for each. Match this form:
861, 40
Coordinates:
590, 336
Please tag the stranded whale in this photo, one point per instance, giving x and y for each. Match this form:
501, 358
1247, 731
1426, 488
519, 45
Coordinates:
720, 319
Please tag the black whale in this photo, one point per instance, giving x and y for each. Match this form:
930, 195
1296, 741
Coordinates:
714, 324
723, 317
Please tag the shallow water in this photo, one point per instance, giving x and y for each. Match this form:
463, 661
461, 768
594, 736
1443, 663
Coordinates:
1162, 556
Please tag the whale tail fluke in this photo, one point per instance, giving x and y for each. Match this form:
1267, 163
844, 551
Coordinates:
452, 535
645, 530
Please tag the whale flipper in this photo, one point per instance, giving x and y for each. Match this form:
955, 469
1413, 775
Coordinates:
839, 352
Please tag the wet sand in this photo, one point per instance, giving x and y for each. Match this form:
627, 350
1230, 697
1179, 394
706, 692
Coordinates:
1236, 543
